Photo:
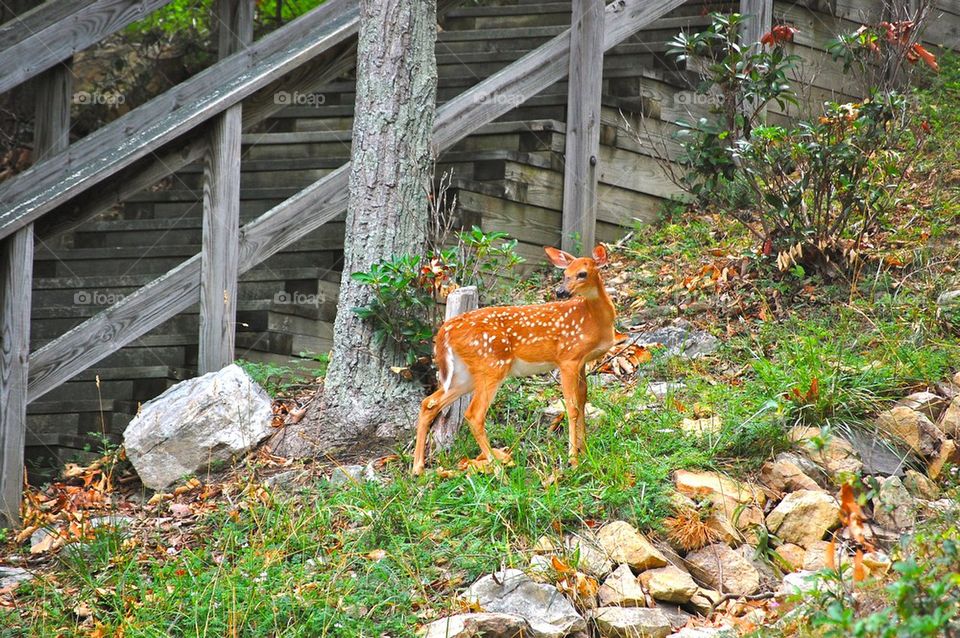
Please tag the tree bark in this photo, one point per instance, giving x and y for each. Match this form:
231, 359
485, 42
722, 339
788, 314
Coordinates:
363, 403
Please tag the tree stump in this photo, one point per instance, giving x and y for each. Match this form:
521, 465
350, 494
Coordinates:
448, 423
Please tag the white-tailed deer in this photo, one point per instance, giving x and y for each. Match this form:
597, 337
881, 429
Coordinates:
476, 351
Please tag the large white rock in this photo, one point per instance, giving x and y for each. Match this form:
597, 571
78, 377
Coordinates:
511, 591
210, 418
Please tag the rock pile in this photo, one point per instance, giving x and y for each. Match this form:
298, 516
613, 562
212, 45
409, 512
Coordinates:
791, 513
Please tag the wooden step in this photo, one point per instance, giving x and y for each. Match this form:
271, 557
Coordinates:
323, 249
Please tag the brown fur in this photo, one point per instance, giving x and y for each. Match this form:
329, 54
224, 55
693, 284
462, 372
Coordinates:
476, 351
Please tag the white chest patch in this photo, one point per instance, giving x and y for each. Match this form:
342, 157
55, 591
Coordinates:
521, 368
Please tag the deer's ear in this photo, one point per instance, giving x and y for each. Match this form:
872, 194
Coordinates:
600, 254
558, 258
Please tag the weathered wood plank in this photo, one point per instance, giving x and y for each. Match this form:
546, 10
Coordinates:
221, 207
16, 258
145, 129
312, 207
585, 82
54, 31
263, 104
51, 134
52, 114
758, 22
503, 90
448, 423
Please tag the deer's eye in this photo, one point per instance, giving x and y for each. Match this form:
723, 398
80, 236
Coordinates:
582, 275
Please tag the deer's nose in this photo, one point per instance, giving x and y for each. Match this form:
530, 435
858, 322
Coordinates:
563, 293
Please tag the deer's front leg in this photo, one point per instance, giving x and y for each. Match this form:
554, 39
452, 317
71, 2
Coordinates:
582, 402
570, 383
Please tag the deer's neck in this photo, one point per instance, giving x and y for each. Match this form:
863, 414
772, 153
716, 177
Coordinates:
600, 307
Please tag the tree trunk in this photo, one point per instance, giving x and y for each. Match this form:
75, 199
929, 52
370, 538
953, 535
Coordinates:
363, 402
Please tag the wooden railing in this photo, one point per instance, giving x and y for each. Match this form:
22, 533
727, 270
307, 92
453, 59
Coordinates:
114, 160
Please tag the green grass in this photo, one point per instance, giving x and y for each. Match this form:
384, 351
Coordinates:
378, 559
280, 380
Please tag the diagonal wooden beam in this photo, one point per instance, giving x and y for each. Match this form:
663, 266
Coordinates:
317, 204
52, 32
41, 188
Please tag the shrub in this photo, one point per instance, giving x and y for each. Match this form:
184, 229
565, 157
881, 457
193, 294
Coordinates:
823, 186
741, 81
404, 310
924, 602
812, 193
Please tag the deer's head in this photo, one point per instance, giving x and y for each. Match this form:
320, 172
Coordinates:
581, 275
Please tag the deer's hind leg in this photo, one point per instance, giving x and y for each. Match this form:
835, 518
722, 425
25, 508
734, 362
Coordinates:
458, 383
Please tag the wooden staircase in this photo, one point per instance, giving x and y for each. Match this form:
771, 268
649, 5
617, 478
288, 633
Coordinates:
508, 176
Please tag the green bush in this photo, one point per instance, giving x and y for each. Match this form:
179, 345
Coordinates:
740, 82
924, 601
406, 288
812, 193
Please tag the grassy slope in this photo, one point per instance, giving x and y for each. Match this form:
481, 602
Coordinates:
370, 559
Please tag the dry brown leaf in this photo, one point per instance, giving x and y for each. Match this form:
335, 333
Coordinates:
561, 567
376, 555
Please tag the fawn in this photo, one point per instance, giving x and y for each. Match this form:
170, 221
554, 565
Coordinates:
476, 351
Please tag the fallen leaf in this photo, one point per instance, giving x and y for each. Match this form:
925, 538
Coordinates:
376, 555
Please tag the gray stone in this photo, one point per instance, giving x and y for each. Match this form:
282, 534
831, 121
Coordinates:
541, 566
799, 584
660, 389
927, 403
719, 567
113, 520
622, 589
678, 617
482, 625
632, 622
353, 474
11, 576
587, 555
893, 507
512, 592
210, 418
920, 486
879, 457
284, 480
681, 339
949, 299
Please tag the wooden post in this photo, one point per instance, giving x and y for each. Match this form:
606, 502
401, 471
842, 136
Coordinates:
51, 135
759, 20
16, 268
448, 423
221, 207
583, 127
